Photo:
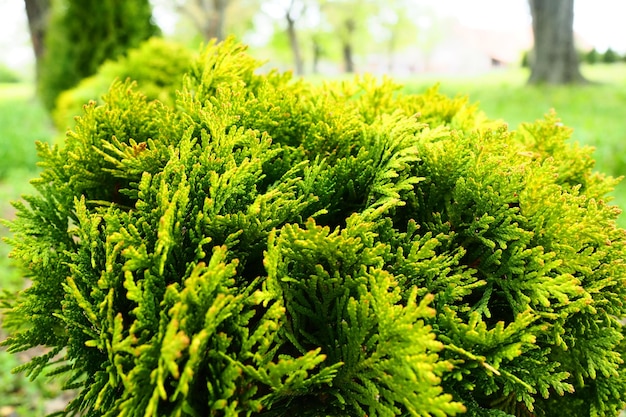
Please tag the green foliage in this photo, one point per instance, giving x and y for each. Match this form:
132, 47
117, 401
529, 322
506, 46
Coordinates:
156, 65
595, 57
610, 56
592, 56
270, 247
83, 35
592, 110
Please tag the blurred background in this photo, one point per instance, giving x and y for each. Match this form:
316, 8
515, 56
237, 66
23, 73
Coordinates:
516, 59
399, 37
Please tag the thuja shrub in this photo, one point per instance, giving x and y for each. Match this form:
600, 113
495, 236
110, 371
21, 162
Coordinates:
157, 65
81, 36
269, 247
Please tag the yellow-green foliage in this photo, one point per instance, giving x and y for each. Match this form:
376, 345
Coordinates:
157, 65
268, 247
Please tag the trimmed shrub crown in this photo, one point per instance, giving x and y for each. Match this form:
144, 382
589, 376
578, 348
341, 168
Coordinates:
270, 247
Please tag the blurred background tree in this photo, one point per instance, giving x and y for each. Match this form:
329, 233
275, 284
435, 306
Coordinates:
291, 12
213, 19
350, 35
610, 56
592, 57
83, 34
555, 60
208, 16
397, 28
38, 14
350, 20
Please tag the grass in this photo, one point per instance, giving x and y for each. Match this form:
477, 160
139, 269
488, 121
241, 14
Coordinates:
22, 121
594, 111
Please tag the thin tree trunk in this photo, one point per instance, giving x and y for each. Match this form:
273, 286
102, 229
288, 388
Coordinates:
347, 57
219, 19
293, 43
554, 59
317, 53
209, 17
348, 49
38, 12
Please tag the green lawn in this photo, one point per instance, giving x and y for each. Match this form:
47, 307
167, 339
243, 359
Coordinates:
22, 121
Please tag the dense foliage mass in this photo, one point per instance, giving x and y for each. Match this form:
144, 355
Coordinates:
267, 247
83, 35
156, 65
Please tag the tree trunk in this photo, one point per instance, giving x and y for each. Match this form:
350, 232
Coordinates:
554, 60
348, 49
317, 54
293, 42
348, 62
37, 12
209, 17
219, 19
